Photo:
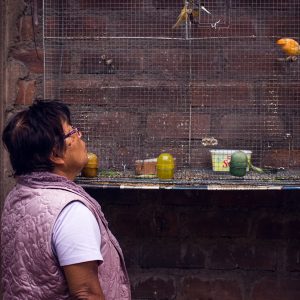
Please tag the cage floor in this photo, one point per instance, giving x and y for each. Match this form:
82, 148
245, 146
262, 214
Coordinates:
197, 179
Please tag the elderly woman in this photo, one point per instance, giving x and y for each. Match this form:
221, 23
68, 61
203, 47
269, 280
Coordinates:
55, 240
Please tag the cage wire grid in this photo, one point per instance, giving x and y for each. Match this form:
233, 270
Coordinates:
138, 84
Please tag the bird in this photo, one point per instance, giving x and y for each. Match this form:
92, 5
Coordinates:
189, 12
196, 11
183, 16
290, 47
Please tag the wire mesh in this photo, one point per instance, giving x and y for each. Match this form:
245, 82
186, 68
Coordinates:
141, 80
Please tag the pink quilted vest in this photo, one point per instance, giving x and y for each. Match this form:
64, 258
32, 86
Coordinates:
29, 268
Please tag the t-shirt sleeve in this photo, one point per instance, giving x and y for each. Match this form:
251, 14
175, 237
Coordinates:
76, 235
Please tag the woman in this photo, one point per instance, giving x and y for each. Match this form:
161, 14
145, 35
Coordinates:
55, 240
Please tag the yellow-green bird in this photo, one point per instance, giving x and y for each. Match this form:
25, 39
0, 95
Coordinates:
188, 12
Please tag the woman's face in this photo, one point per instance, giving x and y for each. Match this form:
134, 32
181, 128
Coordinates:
75, 155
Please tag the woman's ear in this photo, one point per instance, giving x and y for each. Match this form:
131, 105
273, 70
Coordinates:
56, 158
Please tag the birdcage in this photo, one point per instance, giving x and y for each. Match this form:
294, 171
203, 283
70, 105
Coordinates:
184, 77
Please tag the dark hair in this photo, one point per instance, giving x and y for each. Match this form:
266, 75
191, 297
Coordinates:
31, 135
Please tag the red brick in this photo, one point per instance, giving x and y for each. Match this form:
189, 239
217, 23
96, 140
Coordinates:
88, 96
165, 4
151, 96
281, 158
161, 253
112, 4
114, 198
32, 58
167, 125
171, 63
145, 24
26, 92
294, 137
55, 4
130, 248
293, 256
276, 289
230, 95
15, 70
267, 6
249, 200
245, 58
221, 257
124, 221
226, 224
176, 125
84, 91
157, 20
111, 93
124, 59
52, 28
292, 229
83, 26
281, 96
53, 59
114, 155
270, 227
166, 223
251, 126
93, 25
151, 223
255, 256
128, 60
290, 200
114, 124
198, 288
273, 127
87, 26
148, 287
139, 21
189, 199
148, 95
240, 24
92, 63
249, 61
200, 157
284, 24
206, 61
192, 255
200, 125
26, 28
167, 253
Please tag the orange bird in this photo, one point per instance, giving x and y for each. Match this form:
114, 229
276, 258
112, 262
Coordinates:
290, 47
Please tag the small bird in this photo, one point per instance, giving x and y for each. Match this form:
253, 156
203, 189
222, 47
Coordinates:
183, 16
196, 12
189, 12
290, 47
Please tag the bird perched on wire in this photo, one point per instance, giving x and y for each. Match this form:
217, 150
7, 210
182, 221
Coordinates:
189, 11
290, 47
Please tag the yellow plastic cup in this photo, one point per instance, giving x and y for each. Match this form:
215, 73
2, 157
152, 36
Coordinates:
91, 168
165, 166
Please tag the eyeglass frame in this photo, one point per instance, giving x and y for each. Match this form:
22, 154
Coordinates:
72, 131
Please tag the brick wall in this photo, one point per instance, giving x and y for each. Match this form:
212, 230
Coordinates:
241, 95
214, 245
185, 245
234, 84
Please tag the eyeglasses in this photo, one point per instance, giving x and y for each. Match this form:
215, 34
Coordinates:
71, 132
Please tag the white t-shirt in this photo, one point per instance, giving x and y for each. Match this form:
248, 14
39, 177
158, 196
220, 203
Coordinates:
76, 235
